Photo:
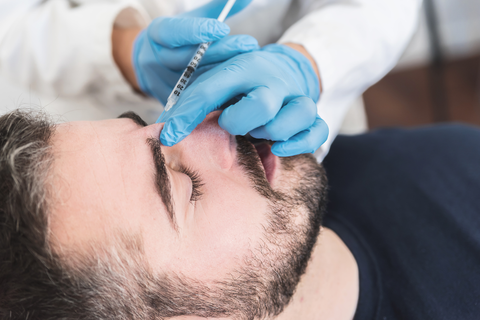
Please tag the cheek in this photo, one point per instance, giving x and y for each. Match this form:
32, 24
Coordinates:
226, 225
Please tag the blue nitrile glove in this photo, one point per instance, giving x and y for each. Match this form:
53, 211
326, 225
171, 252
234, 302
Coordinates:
281, 91
163, 50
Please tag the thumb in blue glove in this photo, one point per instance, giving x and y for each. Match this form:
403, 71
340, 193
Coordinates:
162, 51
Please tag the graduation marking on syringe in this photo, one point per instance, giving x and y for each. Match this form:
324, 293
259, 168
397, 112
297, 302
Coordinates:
194, 62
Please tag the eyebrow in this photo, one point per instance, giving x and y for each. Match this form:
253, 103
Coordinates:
162, 181
133, 116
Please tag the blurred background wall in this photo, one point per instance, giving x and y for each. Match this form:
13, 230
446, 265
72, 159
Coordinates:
437, 79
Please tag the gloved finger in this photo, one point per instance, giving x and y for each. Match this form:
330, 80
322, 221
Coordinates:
256, 109
215, 7
229, 47
307, 141
177, 59
208, 93
298, 115
154, 72
176, 32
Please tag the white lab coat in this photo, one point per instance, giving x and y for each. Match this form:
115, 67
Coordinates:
63, 48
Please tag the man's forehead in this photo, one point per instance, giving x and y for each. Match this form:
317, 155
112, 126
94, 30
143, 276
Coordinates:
79, 144
92, 127
97, 178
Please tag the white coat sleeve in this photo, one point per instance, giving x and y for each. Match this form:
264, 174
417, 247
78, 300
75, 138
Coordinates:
354, 43
63, 48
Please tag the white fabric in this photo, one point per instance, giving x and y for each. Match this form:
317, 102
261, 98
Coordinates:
62, 48
355, 120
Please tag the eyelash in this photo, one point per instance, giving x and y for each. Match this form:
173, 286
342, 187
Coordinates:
196, 183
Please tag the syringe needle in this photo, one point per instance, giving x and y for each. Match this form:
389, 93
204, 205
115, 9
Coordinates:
194, 62
170, 104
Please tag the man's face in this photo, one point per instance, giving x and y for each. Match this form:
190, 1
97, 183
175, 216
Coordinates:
201, 208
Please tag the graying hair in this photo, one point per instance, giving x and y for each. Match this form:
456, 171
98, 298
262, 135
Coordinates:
24, 165
114, 282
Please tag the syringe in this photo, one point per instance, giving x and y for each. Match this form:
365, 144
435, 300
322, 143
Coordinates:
192, 66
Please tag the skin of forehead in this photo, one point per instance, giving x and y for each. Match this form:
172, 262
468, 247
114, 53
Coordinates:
74, 145
68, 229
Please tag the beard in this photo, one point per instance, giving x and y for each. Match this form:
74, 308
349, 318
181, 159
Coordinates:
294, 219
260, 287
265, 283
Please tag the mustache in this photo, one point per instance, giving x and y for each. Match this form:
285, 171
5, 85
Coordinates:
249, 160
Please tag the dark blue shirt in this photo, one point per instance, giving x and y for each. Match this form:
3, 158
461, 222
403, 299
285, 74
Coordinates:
407, 204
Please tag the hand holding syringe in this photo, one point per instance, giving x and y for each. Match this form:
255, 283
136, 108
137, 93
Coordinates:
194, 62
280, 88
163, 49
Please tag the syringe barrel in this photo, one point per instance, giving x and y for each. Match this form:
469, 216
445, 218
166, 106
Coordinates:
187, 74
192, 66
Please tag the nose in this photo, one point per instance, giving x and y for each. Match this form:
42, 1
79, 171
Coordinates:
208, 144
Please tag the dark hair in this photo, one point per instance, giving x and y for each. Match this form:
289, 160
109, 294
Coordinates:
24, 164
114, 282
35, 282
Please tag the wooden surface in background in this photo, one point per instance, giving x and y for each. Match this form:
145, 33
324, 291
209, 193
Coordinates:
405, 98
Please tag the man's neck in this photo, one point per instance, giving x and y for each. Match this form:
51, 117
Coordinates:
330, 287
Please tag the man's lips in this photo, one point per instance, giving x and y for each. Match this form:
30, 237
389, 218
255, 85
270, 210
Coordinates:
269, 160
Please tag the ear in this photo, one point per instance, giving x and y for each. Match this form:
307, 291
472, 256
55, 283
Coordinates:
214, 8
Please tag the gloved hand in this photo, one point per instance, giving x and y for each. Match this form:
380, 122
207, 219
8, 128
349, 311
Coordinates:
162, 51
281, 91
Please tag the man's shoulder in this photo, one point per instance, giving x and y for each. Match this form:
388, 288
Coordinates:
443, 153
412, 196
424, 142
